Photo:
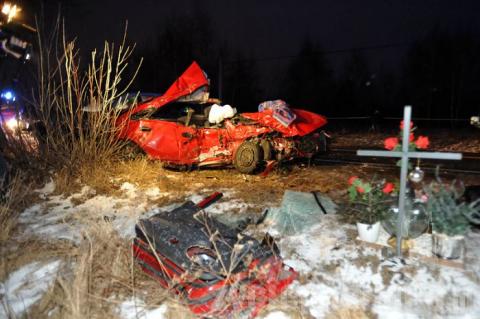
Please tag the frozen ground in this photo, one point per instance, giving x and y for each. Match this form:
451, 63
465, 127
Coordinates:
25, 286
335, 271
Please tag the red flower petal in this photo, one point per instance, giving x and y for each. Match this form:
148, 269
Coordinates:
390, 143
422, 142
352, 180
388, 188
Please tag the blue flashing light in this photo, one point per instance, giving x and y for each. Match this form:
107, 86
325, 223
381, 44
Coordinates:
8, 95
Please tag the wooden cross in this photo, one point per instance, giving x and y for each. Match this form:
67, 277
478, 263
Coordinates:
404, 155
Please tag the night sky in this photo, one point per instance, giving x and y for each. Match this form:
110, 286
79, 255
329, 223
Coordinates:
273, 28
276, 27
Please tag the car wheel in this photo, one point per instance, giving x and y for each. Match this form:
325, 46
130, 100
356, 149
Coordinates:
267, 150
248, 157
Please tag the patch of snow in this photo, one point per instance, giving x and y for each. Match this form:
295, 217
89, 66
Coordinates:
316, 297
61, 218
25, 286
154, 193
341, 273
129, 189
277, 315
135, 308
448, 293
47, 189
196, 198
300, 266
361, 276
386, 311
228, 206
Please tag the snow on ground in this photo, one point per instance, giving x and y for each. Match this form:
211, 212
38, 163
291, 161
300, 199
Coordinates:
334, 270
135, 308
26, 286
47, 189
60, 217
348, 274
276, 315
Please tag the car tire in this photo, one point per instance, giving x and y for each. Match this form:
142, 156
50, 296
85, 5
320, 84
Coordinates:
267, 150
248, 157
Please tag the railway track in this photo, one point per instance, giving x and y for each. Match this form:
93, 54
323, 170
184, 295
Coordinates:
470, 164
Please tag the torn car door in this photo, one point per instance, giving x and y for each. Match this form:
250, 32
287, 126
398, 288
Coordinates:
188, 149
158, 139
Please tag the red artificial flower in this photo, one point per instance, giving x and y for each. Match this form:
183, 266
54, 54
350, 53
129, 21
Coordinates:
422, 142
388, 188
411, 137
352, 180
401, 125
390, 143
361, 190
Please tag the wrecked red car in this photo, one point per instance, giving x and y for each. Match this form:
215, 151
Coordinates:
216, 270
176, 128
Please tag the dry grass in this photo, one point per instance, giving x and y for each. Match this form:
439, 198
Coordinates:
348, 313
16, 198
97, 275
101, 265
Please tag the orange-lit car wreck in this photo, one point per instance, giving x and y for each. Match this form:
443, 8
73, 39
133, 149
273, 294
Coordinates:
184, 127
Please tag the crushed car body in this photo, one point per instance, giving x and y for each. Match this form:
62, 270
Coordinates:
175, 128
216, 270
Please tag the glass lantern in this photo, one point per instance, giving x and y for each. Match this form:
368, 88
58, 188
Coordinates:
415, 223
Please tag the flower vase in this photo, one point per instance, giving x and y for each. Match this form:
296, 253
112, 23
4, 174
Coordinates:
368, 232
448, 247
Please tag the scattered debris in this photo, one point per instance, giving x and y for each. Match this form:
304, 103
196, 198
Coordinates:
216, 269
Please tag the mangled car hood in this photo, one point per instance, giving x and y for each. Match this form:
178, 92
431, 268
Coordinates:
305, 123
191, 85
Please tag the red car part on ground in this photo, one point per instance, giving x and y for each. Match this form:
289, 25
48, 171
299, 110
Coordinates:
246, 140
177, 249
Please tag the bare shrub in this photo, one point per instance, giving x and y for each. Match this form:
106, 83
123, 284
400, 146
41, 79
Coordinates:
68, 134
